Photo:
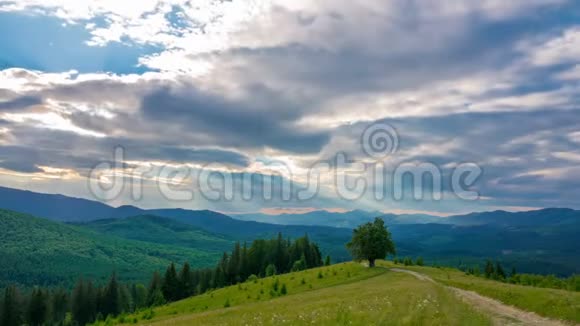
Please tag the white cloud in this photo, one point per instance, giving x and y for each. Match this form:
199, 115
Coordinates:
568, 156
49, 120
315, 65
564, 48
574, 136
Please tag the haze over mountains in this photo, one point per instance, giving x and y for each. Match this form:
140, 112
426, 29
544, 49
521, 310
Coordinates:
348, 219
353, 218
542, 241
68, 209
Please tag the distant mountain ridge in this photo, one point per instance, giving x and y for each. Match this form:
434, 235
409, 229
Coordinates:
68, 209
75, 210
59, 207
354, 218
321, 217
541, 241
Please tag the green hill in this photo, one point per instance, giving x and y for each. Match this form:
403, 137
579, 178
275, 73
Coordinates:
36, 251
352, 294
342, 294
161, 230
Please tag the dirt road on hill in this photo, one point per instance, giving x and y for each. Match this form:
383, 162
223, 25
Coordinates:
500, 313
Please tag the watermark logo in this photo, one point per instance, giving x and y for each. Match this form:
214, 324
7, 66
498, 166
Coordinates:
379, 140
388, 176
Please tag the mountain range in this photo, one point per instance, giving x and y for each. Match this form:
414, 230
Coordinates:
47, 238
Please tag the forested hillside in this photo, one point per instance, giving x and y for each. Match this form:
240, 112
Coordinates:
36, 251
92, 302
161, 230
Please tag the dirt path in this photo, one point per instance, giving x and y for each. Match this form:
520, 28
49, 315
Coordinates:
500, 313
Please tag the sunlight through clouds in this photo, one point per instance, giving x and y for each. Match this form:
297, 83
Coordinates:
244, 83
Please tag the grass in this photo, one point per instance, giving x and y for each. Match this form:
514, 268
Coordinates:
558, 304
346, 294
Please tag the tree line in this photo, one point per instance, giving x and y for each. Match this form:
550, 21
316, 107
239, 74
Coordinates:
496, 271
88, 302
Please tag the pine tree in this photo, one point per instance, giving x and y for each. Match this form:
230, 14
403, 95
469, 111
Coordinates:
499, 271
280, 254
155, 293
126, 302
11, 311
84, 302
139, 294
58, 306
233, 266
244, 264
170, 286
489, 270
186, 288
37, 309
327, 261
220, 274
316, 255
111, 305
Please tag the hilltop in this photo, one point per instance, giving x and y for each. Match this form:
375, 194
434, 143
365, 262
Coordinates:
350, 293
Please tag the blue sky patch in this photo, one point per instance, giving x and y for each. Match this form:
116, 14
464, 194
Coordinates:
63, 47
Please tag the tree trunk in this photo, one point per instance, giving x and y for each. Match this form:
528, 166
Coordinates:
371, 263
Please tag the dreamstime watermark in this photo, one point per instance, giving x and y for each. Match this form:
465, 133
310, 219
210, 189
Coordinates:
377, 175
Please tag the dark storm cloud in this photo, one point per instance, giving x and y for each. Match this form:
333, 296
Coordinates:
268, 121
62, 149
512, 148
20, 166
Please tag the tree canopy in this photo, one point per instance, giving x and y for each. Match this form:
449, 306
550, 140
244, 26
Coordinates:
371, 241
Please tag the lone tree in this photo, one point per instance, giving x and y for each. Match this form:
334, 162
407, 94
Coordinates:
371, 241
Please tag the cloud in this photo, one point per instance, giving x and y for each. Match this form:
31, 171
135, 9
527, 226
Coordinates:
20, 103
248, 82
26, 167
266, 120
562, 49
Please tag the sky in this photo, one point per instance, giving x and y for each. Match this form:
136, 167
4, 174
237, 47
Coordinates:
272, 88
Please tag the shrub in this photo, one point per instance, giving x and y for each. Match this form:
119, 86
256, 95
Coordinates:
283, 290
299, 265
253, 278
227, 303
149, 314
419, 261
271, 270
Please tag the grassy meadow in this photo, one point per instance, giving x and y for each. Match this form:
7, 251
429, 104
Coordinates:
342, 294
552, 303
